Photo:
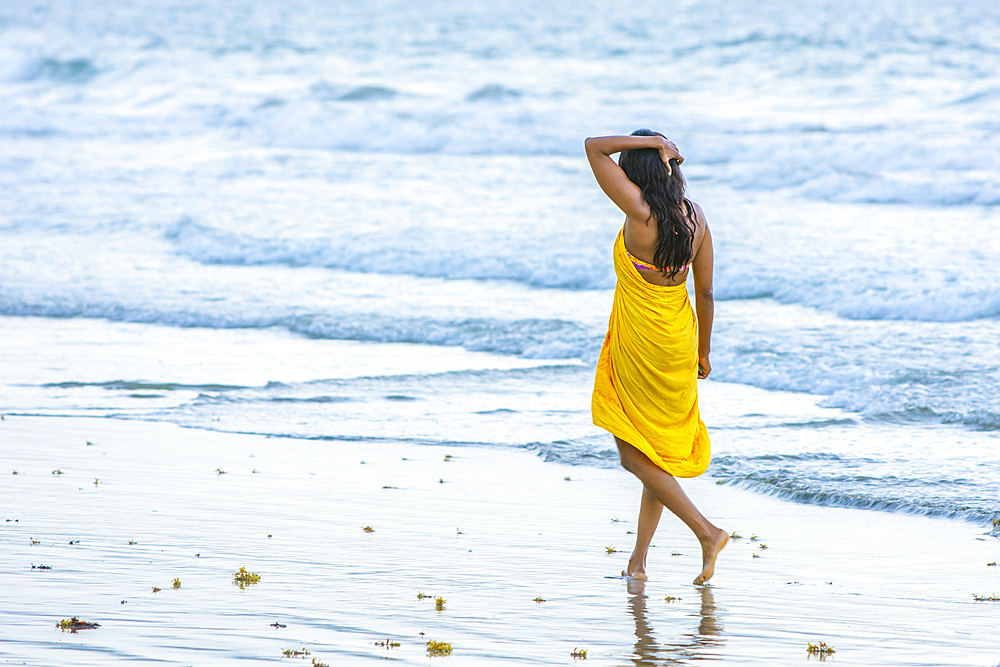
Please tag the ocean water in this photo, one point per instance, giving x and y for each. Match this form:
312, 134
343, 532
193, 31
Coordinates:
375, 221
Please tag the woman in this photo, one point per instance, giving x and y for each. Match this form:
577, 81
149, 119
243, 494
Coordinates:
646, 390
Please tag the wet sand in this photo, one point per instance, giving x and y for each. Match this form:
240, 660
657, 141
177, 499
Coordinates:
489, 530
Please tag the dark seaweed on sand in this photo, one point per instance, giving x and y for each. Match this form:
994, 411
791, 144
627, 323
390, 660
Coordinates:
73, 624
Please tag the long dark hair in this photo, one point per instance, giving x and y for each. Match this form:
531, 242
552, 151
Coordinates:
664, 193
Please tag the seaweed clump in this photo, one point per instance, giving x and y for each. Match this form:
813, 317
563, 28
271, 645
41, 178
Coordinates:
820, 649
243, 577
438, 648
294, 653
74, 624
579, 653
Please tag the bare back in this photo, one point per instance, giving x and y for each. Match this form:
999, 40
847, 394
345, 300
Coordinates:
641, 238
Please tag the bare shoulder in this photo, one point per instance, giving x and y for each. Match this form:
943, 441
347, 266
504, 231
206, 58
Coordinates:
700, 221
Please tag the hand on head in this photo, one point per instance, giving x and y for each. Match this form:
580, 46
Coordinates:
668, 151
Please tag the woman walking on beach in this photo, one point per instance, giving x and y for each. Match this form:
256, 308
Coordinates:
646, 390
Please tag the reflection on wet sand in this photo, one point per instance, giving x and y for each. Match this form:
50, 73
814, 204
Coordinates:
687, 646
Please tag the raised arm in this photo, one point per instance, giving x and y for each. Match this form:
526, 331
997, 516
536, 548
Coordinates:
623, 192
702, 266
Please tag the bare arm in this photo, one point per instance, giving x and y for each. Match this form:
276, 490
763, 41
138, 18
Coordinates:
623, 192
704, 302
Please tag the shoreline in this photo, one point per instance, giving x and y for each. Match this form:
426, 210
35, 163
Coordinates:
501, 529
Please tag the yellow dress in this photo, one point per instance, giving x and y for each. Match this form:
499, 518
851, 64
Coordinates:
646, 390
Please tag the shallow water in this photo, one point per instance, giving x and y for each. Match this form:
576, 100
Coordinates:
489, 529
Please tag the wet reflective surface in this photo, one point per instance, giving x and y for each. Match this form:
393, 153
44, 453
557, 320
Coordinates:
699, 643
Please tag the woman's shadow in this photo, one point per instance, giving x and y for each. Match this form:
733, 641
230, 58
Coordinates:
686, 646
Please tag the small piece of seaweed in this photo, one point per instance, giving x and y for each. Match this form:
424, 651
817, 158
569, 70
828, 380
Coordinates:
579, 653
671, 598
177, 582
993, 564
294, 653
220, 471
421, 596
388, 644
611, 550
156, 590
983, 598
439, 603
368, 529
40, 567
74, 624
820, 649
438, 648
735, 536
761, 546
539, 599
34, 541
131, 542
57, 472
278, 625
755, 555
317, 663
242, 577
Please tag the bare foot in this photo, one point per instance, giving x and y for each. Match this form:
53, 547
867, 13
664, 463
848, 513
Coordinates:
709, 551
636, 567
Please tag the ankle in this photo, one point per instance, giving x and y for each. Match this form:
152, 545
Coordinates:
708, 534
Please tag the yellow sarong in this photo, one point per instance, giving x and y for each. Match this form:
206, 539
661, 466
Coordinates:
646, 390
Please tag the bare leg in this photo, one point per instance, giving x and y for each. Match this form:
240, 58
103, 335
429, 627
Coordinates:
649, 517
664, 487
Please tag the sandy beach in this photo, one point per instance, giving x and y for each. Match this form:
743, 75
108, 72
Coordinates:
139, 504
